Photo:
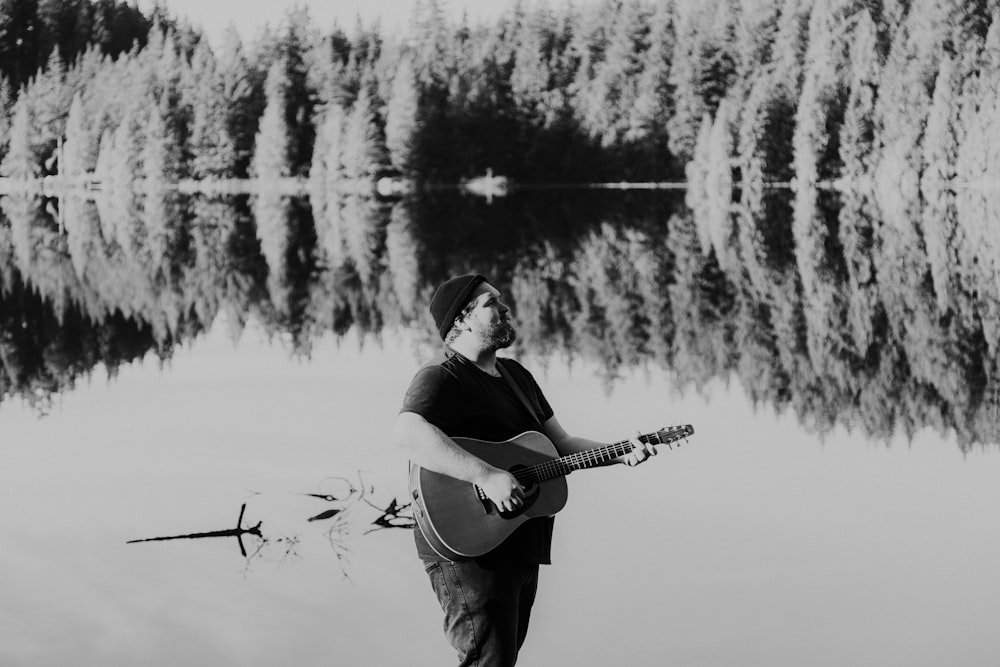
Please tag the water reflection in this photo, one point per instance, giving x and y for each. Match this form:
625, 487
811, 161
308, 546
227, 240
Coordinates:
836, 308
238, 532
351, 509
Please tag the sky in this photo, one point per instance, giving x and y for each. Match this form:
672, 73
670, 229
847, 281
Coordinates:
248, 16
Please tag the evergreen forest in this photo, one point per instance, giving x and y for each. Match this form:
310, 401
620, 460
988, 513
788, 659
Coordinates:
834, 249
895, 95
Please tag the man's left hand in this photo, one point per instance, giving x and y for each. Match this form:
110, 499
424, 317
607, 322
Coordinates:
640, 452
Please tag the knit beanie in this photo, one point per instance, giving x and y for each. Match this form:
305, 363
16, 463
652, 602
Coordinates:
450, 298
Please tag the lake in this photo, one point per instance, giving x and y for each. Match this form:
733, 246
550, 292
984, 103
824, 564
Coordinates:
170, 360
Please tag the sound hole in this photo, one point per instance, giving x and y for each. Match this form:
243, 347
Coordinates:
531, 490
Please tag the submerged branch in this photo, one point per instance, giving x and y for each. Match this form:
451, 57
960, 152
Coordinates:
238, 532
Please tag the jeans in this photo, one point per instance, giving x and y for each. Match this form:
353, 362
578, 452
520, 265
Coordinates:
486, 612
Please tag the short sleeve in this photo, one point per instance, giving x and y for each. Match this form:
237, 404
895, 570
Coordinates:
432, 394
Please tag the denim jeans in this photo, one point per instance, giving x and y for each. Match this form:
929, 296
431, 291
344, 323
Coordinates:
486, 612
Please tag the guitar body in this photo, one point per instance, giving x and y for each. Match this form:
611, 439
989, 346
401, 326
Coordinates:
453, 516
460, 523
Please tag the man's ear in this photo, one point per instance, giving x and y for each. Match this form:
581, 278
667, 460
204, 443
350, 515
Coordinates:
462, 320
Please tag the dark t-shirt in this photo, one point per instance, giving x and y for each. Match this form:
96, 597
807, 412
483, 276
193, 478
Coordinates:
453, 394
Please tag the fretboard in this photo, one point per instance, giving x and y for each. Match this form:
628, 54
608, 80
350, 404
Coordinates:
591, 458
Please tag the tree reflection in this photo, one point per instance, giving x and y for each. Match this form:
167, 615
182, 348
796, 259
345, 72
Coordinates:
854, 310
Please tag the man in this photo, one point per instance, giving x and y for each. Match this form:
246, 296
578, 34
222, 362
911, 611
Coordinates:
487, 601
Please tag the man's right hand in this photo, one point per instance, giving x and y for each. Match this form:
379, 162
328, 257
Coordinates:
503, 489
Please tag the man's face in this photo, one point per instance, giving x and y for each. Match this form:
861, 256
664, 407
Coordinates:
489, 318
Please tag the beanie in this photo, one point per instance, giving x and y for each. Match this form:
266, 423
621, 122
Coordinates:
450, 298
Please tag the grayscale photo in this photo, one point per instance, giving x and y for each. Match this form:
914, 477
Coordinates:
499, 332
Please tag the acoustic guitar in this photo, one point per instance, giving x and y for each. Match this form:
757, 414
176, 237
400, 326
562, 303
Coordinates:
460, 522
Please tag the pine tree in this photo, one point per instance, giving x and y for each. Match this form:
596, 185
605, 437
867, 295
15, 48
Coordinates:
562, 62
430, 39
326, 170
271, 158
298, 39
702, 71
767, 125
403, 266
401, 117
977, 124
820, 107
160, 156
324, 70
105, 156
857, 134
6, 108
363, 149
654, 103
50, 98
272, 213
213, 148
587, 49
905, 95
791, 42
940, 138
719, 183
696, 170
243, 98
77, 152
530, 73
755, 34
612, 94
126, 151
19, 162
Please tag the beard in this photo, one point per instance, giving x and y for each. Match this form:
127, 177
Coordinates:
500, 335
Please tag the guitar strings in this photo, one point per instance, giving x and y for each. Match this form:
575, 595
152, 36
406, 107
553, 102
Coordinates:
564, 465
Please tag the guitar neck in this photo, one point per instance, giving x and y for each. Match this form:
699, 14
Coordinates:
591, 458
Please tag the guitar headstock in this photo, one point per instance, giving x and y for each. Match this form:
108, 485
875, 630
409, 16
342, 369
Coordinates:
669, 434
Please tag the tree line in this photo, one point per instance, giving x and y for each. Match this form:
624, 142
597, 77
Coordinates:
891, 94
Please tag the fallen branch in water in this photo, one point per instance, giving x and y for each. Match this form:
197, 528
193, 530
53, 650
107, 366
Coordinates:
238, 532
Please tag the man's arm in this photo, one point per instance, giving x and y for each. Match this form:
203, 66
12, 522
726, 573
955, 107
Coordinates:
429, 447
569, 444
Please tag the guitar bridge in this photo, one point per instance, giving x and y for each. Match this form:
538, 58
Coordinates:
484, 499
489, 506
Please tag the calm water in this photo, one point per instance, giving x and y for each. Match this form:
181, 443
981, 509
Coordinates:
169, 360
